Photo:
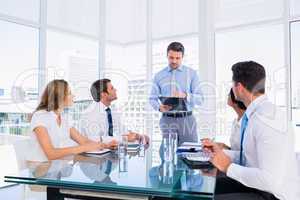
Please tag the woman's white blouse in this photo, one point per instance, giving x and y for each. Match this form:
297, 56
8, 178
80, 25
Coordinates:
235, 138
59, 135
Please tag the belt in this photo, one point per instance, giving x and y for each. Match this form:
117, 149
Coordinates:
178, 114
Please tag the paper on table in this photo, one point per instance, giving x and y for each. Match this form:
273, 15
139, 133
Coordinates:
98, 152
200, 156
193, 144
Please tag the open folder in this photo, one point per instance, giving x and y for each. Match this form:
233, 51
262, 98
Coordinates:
194, 156
177, 104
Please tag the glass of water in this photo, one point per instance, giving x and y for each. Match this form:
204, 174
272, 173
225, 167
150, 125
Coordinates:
123, 164
169, 144
122, 146
168, 173
141, 147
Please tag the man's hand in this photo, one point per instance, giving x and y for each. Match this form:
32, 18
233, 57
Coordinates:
220, 144
145, 140
164, 108
111, 145
223, 145
219, 159
131, 136
179, 94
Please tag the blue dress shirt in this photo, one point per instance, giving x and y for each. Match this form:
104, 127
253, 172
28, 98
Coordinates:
186, 81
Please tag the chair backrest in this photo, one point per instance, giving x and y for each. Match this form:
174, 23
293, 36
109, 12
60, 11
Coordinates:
9, 163
21, 147
9, 166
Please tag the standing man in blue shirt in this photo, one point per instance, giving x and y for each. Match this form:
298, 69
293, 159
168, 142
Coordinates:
177, 80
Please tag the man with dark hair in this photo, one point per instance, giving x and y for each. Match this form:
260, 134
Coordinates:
258, 170
177, 80
251, 74
99, 122
101, 87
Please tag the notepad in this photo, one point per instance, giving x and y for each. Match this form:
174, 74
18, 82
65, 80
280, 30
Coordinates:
133, 146
199, 156
194, 144
100, 152
189, 147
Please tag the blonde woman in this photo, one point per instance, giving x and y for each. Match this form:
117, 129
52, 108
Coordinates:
52, 133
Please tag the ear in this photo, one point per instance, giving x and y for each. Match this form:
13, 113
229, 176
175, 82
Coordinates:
102, 94
240, 87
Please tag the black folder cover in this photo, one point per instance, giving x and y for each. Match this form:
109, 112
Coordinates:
177, 104
197, 164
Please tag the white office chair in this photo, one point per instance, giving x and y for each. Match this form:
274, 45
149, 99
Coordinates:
9, 166
13, 150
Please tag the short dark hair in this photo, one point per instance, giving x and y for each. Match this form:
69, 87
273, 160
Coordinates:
251, 74
98, 87
240, 104
176, 46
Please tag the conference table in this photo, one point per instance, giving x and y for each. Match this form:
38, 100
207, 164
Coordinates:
135, 176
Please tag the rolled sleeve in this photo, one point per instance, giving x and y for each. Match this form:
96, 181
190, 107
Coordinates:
153, 98
195, 96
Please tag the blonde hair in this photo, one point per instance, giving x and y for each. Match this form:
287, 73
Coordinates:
54, 95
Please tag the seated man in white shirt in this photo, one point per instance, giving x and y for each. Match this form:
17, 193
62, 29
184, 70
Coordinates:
99, 122
265, 166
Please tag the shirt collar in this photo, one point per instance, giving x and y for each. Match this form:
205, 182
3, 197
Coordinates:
102, 106
53, 114
178, 69
254, 104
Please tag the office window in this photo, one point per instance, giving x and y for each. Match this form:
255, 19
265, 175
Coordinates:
74, 59
19, 83
236, 12
74, 15
125, 57
28, 10
263, 44
295, 7
295, 70
125, 21
174, 17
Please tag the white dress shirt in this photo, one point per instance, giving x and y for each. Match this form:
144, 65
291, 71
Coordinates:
59, 135
235, 137
94, 122
270, 159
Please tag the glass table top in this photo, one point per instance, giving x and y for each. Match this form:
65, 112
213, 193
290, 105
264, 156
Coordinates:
132, 174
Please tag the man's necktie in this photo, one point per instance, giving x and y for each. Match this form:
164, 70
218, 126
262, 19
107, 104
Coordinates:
173, 82
243, 128
110, 122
